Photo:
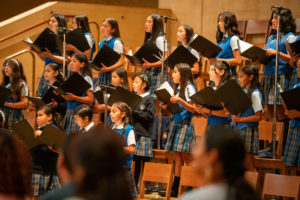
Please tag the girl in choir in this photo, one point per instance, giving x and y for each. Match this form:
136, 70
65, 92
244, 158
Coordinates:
82, 22
219, 74
154, 33
143, 119
247, 121
56, 20
111, 34
227, 37
291, 156
44, 176
184, 36
79, 64
121, 117
18, 85
287, 29
181, 133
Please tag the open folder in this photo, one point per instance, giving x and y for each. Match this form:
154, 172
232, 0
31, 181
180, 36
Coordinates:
75, 84
295, 47
206, 47
105, 55
47, 39
180, 55
4, 94
52, 136
253, 52
149, 51
99, 95
208, 98
291, 98
164, 92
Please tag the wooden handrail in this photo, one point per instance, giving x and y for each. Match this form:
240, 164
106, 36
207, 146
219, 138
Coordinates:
33, 64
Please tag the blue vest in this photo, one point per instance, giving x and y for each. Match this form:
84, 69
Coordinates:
129, 156
93, 46
248, 112
283, 67
109, 43
48, 60
217, 121
296, 121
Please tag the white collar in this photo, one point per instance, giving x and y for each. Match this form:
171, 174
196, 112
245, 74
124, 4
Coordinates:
108, 38
144, 94
121, 126
89, 126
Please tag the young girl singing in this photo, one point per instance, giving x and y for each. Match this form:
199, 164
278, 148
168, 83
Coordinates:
121, 117
181, 134
17, 83
79, 64
247, 121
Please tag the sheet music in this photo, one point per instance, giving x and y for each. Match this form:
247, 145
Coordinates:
166, 85
243, 46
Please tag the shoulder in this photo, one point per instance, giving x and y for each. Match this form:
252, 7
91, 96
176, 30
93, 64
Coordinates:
291, 38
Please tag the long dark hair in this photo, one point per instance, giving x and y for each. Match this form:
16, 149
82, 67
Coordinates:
85, 70
55, 67
122, 73
185, 78
189, 31
252, 70
60, 19
231, 155
287, 23
223, 65
230, 25
123, 107
114, 25
83, 23
17, 77
157, 28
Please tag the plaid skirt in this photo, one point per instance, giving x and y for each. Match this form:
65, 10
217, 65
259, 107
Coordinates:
104, 78
294, 80
291, 156
40, 183
249, 135
132, 186
12, 116
181, 136
42, 85
155, 74
268, 85
143, 147
68, 123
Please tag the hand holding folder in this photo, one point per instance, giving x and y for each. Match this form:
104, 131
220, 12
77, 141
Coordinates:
291, 98
180, 55
106, 56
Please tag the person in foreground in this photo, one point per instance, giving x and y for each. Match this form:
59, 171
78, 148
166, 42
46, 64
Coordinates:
219, 159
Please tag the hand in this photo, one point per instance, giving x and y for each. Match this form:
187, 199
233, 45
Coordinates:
47, 53
100, 108
294, 59
8, 104
69, 96
146, 64
292, 113
70, 47
236, 118
53, 104
164, 106
37, 133
52, 149
270, 52
175, 99
212, 60
104, 68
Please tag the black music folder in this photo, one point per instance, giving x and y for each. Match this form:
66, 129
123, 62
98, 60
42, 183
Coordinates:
75, 84
253, 52
105, 55
291, 98
295, 47
180, 55
208, 98
148, 51
25, 132
52, 136
123, 95
233, 97
76, 37
206, 47
38, 101
5, 93
47, 39
164, 92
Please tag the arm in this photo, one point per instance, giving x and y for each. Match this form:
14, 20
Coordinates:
189, 106
292, 113
157, 64
253, 118
283, 56
88, 99
130, 149
196, 68
237, 60
118, 64
55, 58
70, 47
22, 104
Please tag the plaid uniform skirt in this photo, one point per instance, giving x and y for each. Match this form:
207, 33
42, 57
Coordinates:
132, 186
40, 183
12, 116
181, 136
104, 78
249, 135
69, 123
291, 156
143, 147
268, 85
42, 85
294, 80
155, 74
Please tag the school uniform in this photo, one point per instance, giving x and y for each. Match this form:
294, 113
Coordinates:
291, 156
283, 69
44, 175
89, 127
91, 41
129, 139
68, 122
15, 115
116, 45
155, 73
249, 130
182, 134
228, 44
294, 77
196, 54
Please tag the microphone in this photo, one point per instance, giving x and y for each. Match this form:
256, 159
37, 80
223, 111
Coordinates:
170, 18
277, 7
